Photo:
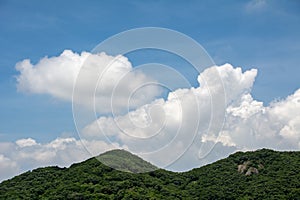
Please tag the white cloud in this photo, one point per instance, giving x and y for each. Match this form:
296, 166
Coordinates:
253, 126
8, 168
96, 77
245, 107
223, 138
26, 142
164, 129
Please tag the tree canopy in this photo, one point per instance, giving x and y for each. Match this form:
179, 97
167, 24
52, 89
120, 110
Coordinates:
277, 177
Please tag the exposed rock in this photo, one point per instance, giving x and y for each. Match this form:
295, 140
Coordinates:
251, 170
242, 168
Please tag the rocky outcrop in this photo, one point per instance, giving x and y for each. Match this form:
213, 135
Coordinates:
248, 170
243, 167
251, 170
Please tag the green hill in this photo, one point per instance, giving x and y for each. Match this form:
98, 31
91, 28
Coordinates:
124, 161
263, 174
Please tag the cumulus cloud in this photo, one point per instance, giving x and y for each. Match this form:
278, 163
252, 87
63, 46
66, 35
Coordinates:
26, 142
252, 126
164, 130
93, 77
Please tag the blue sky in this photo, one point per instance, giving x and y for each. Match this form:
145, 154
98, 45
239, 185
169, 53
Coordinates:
251, 34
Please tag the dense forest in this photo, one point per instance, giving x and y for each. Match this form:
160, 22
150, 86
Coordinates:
262, 174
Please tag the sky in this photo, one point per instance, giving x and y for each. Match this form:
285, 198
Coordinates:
259, 39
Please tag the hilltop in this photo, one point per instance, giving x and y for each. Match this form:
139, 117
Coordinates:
125, 161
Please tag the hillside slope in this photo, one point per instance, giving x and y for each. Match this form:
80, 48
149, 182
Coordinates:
125, 161
274, 175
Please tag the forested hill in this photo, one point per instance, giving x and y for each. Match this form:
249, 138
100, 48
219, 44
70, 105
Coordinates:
263, 174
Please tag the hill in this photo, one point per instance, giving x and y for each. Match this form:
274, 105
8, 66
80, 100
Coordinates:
124, 161
263, 174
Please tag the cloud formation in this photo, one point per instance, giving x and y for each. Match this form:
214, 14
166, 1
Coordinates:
250, 125
8, 167
175, 133
95, 76
164, 130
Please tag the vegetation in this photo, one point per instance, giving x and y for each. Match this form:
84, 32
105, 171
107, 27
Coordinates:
278, 177
125, 161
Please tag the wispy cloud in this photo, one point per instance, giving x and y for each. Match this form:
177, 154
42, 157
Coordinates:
256, 5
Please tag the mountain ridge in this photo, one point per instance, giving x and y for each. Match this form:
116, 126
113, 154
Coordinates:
278, 179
